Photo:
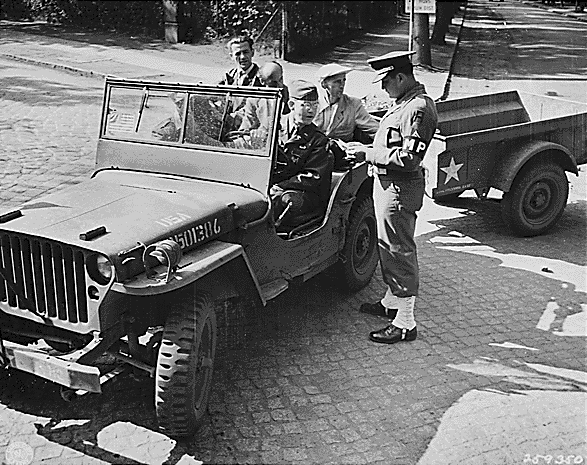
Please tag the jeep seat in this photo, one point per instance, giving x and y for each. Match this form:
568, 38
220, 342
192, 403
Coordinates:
289, 224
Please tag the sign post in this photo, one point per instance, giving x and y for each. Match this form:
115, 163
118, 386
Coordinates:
418, 6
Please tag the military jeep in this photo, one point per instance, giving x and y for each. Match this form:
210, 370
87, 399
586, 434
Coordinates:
175, 217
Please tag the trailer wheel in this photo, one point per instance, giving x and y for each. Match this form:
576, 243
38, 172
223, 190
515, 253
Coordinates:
183, 376
536, 200
359, 256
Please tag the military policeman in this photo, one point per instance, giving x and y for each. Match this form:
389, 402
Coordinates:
398, 189
301, 181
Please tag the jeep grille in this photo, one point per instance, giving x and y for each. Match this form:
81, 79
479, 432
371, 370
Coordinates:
52, 277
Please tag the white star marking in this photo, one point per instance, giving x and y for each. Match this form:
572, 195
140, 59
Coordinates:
452, 170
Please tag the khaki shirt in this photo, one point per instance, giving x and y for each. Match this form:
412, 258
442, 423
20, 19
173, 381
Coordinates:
404, 135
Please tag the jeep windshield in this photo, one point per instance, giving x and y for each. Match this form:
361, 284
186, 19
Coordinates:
220, 118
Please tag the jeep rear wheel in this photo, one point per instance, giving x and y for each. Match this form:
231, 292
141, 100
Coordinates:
359, 256
183, 376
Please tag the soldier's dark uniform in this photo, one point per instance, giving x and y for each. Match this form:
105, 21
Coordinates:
304, 166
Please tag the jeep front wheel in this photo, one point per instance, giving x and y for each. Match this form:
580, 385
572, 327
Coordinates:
359, 256
183, 376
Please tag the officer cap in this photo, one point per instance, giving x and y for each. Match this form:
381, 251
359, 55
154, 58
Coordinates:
332, 69
388, 62
302, 90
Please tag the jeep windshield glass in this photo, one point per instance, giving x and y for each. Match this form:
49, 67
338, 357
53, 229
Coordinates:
213, 120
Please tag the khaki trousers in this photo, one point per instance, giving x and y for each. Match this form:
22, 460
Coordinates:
396, 204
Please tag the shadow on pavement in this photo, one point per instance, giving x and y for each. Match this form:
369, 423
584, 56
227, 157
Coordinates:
85, 36
481, 221
44, 91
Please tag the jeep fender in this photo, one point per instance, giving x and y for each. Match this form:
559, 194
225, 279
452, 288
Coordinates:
508, 165
222, 268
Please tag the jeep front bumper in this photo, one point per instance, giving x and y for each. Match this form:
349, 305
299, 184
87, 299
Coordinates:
38, 362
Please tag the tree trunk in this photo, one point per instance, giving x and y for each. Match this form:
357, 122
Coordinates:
444, 14
170, 18
422, 40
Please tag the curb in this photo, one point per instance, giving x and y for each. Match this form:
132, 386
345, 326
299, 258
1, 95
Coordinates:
48, 64
568, 14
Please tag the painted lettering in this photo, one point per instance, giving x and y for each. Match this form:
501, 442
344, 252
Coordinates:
173, 219
189, 239
200, 232
197, 234
208, 229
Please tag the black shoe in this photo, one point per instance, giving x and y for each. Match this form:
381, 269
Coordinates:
392, 334
378, 310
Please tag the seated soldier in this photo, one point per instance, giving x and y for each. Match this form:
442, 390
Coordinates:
301, 182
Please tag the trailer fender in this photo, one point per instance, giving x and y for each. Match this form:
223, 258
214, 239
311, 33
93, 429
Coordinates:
224, 267
508, 165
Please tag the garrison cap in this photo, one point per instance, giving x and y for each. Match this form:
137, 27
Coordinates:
388, 62
332, 69
303, 90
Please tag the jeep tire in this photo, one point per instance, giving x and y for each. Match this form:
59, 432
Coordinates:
536, 200
183, 375
359, 257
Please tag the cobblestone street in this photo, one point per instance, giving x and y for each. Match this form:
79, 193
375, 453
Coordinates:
498, 374
48, 129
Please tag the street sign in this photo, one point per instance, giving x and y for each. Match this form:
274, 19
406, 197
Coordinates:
421, 6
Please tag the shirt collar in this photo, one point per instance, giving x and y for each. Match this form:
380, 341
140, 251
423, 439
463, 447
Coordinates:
245, 72
411, 93
325, 102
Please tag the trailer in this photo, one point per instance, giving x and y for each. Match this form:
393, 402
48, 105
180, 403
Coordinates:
520, 144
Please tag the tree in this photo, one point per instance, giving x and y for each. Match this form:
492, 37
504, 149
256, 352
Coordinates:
444, 14
422, 39
170, 15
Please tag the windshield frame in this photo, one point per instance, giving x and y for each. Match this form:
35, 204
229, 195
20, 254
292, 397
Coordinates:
223, 92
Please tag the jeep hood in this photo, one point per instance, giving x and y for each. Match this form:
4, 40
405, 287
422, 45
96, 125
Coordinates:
138, 207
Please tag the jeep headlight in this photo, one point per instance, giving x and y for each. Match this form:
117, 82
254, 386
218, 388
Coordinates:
100, 269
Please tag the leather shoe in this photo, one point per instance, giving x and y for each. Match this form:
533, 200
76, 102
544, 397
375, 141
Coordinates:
378, 310
392, 334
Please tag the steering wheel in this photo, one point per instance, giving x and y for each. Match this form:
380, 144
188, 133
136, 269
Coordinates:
233, 135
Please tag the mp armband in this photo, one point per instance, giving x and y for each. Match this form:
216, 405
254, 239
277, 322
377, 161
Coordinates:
414, 145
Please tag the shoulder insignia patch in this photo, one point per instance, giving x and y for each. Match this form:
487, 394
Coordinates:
418, 117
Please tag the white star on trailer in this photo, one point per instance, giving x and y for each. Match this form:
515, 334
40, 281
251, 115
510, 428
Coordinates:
452, 170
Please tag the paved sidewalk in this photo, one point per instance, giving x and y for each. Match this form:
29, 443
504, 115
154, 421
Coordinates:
99, 55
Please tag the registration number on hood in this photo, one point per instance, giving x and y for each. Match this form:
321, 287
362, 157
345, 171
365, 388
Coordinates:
198, 233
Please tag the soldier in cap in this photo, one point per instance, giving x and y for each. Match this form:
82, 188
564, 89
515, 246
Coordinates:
339, 114
301, 182
398, 190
